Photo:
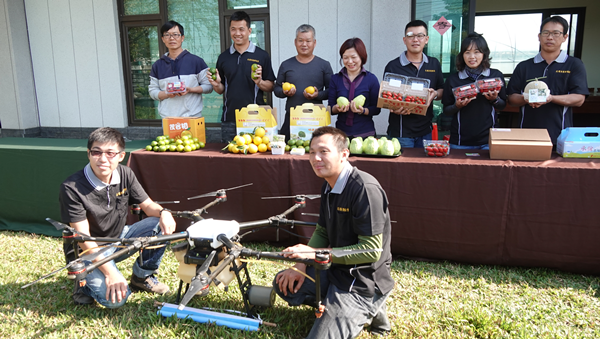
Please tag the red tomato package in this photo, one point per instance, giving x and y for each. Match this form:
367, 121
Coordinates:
436, 148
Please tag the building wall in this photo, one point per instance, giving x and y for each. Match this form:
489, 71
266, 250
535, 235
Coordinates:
591, 48
379, 23
76, 55
18, 109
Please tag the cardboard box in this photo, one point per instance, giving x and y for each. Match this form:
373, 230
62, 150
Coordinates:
176, 127
520, 144
252, 116
579, 142
306, 118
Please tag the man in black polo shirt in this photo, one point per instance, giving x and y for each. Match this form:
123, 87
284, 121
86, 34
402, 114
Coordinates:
565, 76
234, 69
95, 201
411, 129
353, 215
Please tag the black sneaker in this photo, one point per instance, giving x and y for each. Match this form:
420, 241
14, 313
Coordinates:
148, 284
80, 298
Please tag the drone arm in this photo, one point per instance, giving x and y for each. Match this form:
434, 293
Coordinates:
215, 202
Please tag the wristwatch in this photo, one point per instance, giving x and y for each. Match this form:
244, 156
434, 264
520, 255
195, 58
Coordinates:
164, 209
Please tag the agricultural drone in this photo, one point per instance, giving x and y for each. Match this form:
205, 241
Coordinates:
209, 254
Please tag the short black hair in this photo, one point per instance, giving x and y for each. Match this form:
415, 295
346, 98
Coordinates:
415, 23
479, 42
170, 24
556, 19
239, 16
339, 137
105, 135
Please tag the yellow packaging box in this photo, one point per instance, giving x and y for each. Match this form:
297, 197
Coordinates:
306, 118
175, 128
252, 116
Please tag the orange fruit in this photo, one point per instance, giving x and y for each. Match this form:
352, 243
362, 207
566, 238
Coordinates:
265, 139
262, 148
248, 138
257, 140
310, 89
286, 86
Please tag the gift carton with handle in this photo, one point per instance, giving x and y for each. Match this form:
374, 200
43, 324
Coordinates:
304, 119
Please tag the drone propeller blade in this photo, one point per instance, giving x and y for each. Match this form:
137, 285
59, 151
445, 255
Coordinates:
210, 194
308, 196
197, 284
310, 214
88, 257
61, 226
342, 253
47, 275
312, 196
167, 202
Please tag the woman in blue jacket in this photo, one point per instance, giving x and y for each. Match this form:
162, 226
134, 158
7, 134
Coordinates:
352, 81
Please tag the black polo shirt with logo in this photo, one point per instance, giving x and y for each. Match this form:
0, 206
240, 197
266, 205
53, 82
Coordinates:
357, 205
471, 124
235, 70
565, 75
105, 206
414, 125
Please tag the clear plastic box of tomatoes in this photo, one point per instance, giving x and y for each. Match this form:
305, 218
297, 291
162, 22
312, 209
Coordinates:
176, 87
465, 91
436, 148
488, 85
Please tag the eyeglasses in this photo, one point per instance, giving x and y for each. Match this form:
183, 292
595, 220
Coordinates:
109, 154
174, 35
555, 34
419, 36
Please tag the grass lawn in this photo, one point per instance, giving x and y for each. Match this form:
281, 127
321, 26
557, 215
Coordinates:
431, 300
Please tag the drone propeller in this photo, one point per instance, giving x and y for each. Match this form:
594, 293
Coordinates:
309, 196
310, 214
199, 282
336, 253
167, 202
88, 257
217, 191
61, 226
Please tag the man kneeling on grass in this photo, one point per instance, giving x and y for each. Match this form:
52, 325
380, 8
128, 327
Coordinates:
95, 201
353, 215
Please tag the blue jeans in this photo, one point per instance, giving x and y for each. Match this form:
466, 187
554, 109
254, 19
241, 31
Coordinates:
96, 282
486, 146
412, 142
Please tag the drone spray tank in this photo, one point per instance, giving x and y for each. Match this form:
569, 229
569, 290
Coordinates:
202, 236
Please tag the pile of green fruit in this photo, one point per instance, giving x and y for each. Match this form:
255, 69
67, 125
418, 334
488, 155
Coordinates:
297, 143
373, 146
165, 144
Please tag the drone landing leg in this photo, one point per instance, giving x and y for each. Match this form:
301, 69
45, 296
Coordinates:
244, 287
187, 286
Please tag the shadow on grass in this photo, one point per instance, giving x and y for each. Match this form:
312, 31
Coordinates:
46, 308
